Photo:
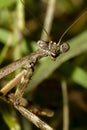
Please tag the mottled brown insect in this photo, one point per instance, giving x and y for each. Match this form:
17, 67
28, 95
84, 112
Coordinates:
51, 49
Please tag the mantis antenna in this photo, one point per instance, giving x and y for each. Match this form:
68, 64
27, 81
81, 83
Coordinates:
46, 30
71, 26
35, 19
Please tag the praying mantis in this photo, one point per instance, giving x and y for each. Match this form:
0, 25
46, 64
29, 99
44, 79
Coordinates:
51, 49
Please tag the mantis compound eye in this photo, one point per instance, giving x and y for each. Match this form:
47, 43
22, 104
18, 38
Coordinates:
43, 45
64, 47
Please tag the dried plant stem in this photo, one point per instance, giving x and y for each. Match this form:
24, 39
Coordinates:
48, 19
20, 16
65, 106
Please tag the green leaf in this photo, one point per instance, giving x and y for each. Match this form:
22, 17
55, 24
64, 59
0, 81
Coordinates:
9, 116
80, 77
4, 34
6, 3
11, 121
78, 46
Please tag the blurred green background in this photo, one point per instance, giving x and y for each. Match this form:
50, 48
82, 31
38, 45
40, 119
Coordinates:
19, 32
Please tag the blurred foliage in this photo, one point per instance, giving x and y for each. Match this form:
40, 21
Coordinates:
19, 32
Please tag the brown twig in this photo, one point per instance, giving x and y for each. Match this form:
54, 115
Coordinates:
48, 20
65, 106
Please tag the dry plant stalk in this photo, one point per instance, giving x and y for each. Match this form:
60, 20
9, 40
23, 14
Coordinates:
65, 105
